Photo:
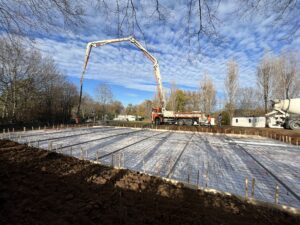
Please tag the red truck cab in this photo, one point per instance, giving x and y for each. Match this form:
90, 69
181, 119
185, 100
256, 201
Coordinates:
156, 116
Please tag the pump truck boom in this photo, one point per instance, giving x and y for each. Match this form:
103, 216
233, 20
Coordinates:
132, 40
159, 114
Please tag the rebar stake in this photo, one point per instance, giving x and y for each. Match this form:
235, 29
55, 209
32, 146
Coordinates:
246, 187
198, 177
253, 187
123, 160
276, 194
206, 179
81, 156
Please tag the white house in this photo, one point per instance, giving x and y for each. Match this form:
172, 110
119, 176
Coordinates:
248, 121
125, 118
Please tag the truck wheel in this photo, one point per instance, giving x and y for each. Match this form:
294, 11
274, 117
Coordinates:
188, 122
295, 124
180, 122
157, 121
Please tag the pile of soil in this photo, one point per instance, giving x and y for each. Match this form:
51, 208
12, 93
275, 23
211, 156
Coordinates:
41, 187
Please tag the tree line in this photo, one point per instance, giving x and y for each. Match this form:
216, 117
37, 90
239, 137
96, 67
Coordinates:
102, 107
32, 89
276, 77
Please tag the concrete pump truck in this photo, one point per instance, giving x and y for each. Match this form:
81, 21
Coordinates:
159, 114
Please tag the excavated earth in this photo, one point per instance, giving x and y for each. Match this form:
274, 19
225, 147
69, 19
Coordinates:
41, 187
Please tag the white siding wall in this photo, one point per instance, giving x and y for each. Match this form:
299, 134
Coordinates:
248, 122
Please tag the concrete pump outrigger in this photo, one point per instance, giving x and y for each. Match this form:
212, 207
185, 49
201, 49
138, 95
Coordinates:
159, 114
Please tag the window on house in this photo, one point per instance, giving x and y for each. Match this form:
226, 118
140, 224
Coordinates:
249, 120
236, 120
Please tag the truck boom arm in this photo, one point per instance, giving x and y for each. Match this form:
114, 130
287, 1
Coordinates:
132, 40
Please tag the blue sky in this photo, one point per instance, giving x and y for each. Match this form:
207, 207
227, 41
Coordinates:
130, 74
120, 92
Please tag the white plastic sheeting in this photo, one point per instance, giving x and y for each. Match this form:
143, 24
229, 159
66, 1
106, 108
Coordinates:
216, 161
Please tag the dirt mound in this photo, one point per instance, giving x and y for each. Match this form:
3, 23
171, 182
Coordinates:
40, 187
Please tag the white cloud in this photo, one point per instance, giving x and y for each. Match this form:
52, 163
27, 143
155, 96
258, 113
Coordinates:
121, 64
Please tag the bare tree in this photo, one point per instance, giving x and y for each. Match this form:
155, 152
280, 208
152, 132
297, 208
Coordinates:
171, 102
207, 95
155, 100
265, 80
231, 86
284, 12
24, 17
248, 101
287, 76
104, 94
202, 18
31, 87
132, 17
193, 101
88, 108
104, 97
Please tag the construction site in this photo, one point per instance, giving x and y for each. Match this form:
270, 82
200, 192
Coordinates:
212, 137
255, 169
246, 165
247, 177
259, 170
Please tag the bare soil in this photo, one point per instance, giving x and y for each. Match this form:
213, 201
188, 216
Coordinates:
41, 187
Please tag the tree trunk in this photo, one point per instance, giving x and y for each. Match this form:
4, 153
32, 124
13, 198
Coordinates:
266, 105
